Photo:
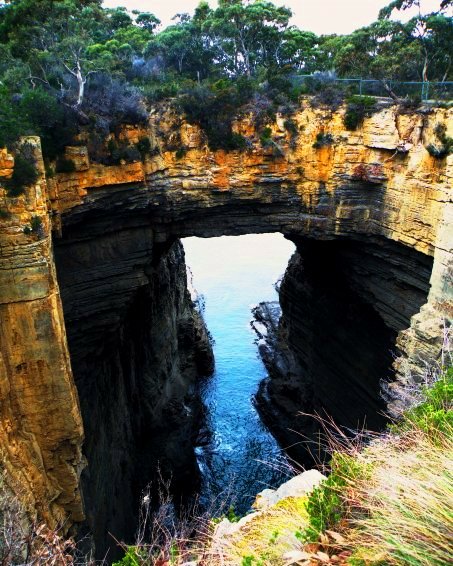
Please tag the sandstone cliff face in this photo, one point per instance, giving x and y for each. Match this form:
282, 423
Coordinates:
41, 429
377, 181
118, 224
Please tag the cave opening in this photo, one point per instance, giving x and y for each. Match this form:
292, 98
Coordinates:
229, 275
138, 349
343, 303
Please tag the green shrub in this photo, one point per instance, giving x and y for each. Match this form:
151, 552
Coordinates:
144, 146
438, 152
231, 515
35, 226
291, 127
65, 165
157, 90
326, 504
214, 107
24, 175
323, 140
446, 147
122, 152
36, 223
53, 121
358, 107
13, 123
434, 415
251, 560
180, 152
50, 172
266, 136
238, 141
296, 92
134, 557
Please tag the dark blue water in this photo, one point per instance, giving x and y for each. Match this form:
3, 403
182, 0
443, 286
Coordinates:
233, 274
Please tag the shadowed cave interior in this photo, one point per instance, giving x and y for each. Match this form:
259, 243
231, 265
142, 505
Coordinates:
138, 348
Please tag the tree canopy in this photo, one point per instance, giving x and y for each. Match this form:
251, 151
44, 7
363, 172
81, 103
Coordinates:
98, 65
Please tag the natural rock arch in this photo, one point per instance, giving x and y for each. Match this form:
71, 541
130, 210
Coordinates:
114, 236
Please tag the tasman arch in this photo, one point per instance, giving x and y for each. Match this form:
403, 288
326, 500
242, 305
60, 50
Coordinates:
100, 384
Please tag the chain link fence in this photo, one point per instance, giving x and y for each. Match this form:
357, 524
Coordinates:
425, 91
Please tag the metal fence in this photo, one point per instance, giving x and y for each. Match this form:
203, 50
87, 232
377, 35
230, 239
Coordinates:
442, 91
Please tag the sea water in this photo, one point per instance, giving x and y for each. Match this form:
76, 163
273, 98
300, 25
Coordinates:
232, 275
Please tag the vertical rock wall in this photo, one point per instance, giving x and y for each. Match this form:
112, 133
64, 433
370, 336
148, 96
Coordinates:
377, 182
41, 429
137, 348
343, 303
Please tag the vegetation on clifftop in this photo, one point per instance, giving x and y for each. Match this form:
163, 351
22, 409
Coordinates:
66, 65
387, 500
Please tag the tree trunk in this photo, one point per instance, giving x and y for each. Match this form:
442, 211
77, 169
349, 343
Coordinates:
425, 66
81, 84
389, 91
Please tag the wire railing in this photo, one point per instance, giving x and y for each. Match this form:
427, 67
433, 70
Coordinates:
442, 91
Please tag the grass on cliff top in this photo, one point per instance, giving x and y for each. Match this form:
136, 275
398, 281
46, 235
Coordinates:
402, 512
388, 502
392, 499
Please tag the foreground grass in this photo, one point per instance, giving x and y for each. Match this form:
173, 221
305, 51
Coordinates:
406, 503
387, 501
401, 512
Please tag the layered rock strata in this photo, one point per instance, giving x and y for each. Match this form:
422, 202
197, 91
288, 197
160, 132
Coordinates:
137, 347
41, 430
118, 223
343, 303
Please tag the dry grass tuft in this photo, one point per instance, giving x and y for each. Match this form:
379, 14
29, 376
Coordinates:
403, 510
262, 538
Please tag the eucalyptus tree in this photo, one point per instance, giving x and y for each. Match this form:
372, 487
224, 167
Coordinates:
429, 35
185, 46
246, 34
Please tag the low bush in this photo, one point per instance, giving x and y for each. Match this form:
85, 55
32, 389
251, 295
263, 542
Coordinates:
180, 152
266, 137
446, 143
122, 152
35, 227
291, 127
24, 175
358, 107
238, 141
144, 146
64, 165
50, 171
433, 416
330, 96
323, 140
327, 504
213, 107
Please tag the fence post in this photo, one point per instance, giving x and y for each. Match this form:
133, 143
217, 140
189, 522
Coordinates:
360, 87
